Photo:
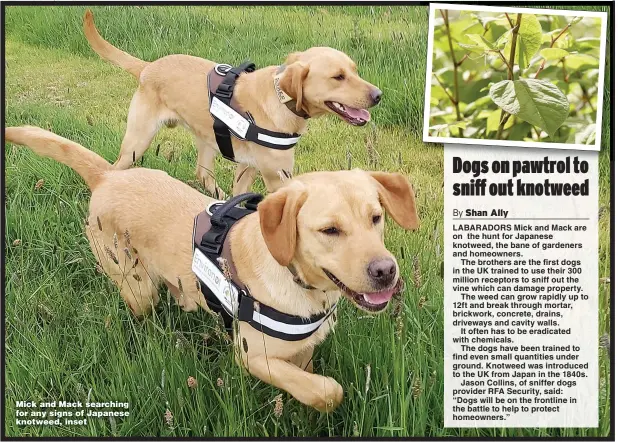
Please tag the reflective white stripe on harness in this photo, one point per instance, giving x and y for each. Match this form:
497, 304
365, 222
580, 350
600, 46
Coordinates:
279, 141
291, 329
239, 125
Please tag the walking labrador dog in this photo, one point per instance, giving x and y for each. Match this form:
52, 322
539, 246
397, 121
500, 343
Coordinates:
328, 225
174, 89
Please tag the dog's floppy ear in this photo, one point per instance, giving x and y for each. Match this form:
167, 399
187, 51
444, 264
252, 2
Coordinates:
292, 81
397, 197
278, 214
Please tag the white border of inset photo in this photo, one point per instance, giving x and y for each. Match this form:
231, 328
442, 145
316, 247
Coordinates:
454, 140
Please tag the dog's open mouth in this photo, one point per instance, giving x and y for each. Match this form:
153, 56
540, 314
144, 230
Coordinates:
356, 117
373, 302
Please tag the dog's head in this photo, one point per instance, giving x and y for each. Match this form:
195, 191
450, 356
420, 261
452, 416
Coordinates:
330, 226
324, 80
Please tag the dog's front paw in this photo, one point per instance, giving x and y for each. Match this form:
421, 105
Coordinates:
329, 396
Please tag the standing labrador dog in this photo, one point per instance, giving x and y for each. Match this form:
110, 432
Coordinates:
173, 90
328, 225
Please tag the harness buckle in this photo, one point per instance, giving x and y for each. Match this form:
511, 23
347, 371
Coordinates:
225, 90
212, 241
210, 248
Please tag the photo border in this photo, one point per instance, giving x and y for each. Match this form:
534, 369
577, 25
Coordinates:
478, 141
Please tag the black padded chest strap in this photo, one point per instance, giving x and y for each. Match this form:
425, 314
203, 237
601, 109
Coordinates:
224, 92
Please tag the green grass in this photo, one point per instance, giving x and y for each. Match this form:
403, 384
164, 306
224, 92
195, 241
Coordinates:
69, 335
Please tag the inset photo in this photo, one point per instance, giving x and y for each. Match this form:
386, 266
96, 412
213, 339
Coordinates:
514, 76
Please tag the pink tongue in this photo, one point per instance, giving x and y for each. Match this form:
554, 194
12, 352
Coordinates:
379, 297
360, 114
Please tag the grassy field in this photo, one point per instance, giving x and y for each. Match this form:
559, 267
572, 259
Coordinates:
68, 334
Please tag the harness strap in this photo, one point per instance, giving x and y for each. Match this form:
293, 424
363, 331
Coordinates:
224, 92
271, 139
277, 324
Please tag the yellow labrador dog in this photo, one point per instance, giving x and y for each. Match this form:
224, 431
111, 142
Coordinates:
173, 90
329, 225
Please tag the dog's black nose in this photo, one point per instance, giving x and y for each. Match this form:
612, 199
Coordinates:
376, 96
382, 271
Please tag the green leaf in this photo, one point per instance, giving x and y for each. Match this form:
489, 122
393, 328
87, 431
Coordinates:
501, 42
553, 53
576, 62
538, 102
486, 20
520, 131
521, 58
480, 102
471, 48
484, 114
456, 124
529, 36
586, 135
575, 21
459, 124
589, 42
480, 43
493, 121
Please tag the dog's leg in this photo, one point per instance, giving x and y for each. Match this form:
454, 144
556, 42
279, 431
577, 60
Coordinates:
205, 169
304, 360
276, 167
274, 179
123, 265
320, 392
243, 178
187, 294
139, 292
142, 125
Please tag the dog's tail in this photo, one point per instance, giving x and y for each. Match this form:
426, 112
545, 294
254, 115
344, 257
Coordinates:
85, 162
109, 52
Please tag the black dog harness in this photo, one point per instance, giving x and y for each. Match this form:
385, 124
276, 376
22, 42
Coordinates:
231, 120
224, 292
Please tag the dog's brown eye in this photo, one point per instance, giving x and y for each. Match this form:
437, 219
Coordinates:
330, 231
339, 77
376, 219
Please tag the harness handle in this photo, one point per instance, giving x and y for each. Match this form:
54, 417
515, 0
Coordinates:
252, 200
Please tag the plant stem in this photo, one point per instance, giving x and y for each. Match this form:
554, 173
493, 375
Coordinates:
551, 45
450, 97
504, 117
508, 66
455, 66
564, 71
513, 47
509, 19
536, 131
463, 59
586, 97
510, 74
